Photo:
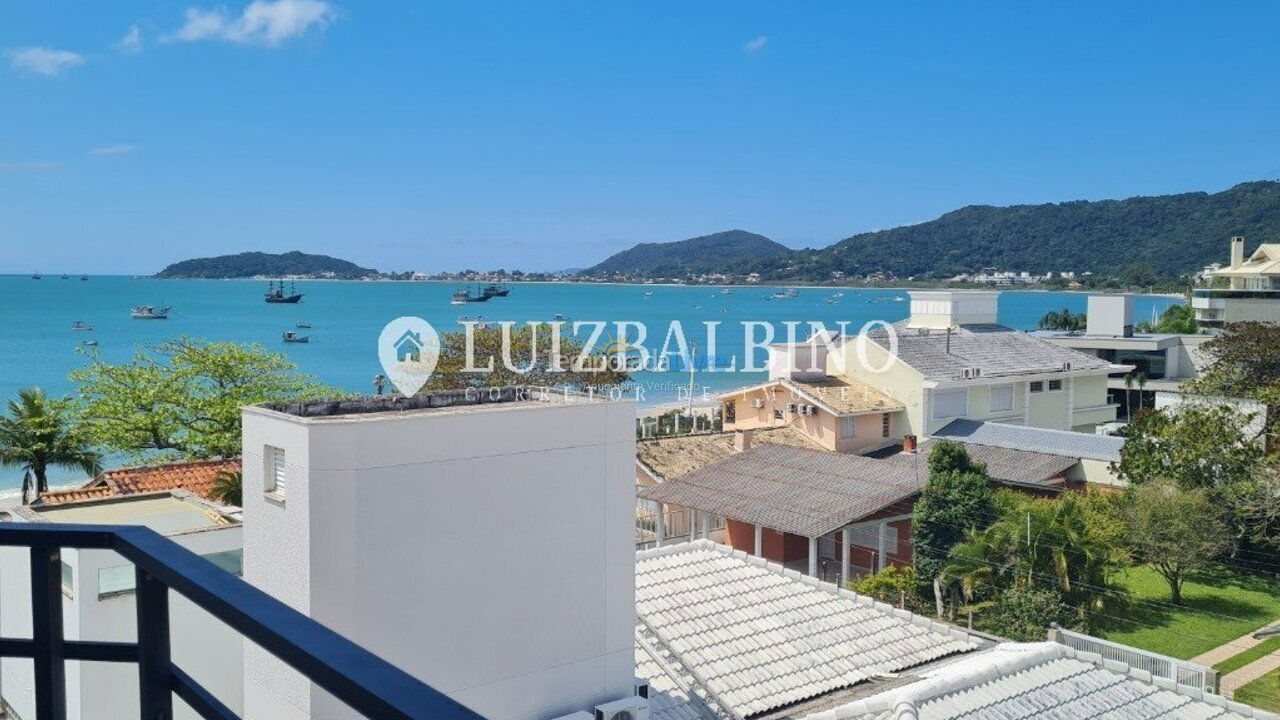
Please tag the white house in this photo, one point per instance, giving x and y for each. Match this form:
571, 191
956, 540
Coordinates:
98, 604
480, 540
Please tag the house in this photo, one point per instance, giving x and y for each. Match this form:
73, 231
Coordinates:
98, 604
194, 476
1253, 292
830, 515
409, 347
1163, 361
480, 539
721, 634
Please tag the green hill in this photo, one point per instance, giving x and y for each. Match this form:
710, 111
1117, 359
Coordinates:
250, 264
1172, 234
719, 252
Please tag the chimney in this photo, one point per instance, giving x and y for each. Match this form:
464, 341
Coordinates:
1237, 251
742, 440
909, 444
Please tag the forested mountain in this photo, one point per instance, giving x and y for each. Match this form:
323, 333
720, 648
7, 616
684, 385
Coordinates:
1167, 235
718, 252
250, 264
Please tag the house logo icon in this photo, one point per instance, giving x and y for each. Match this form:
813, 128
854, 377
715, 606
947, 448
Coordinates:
408, 349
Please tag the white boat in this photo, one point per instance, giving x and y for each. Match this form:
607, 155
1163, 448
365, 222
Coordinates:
149, 312
786, 294
81, 325
89, 343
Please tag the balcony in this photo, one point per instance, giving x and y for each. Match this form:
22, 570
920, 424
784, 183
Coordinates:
369, 685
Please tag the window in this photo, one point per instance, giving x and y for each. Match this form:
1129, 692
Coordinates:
1055, 385
1001, 398
68, 580
847, 429
731, 412
777, 414
123, 578
884, 424
275, 470
950, 403
1037, 386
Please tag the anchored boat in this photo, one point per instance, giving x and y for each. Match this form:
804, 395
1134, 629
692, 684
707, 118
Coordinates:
149, 312
293, 337
276, 294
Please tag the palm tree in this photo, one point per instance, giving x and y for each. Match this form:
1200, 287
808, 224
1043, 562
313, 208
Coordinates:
1141, 381
228, 487
38, 433
1128, 397
1063, 319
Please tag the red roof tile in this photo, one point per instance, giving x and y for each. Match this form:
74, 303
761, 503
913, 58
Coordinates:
196, 476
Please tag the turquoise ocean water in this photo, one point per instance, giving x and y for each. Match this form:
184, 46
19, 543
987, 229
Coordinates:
38, 347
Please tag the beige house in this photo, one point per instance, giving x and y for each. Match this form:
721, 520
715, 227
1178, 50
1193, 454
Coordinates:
1254, 292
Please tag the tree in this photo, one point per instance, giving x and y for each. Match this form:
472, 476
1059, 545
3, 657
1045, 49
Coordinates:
1023, 614
39, 433
1175, 531
1063, 320
1059, 544
956, 500
1175, 320
228, 487
1244, 362
184, 398
1207, 447
530, 351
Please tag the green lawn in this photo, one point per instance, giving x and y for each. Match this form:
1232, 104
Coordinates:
1238, 661
1219, 606
1262, 693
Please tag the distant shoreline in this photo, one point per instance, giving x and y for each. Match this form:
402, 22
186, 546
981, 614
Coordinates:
904, 288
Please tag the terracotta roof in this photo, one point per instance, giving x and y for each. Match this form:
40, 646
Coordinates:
845, 396
671, 457
196, 476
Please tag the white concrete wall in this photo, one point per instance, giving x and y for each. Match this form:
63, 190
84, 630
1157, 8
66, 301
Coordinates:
488, 551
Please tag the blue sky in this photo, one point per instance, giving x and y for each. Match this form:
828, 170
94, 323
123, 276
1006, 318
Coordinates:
542, 135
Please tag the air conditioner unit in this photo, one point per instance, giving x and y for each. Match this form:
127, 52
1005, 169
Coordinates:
791, 408
809, 409
1066, 366
632, 708
580, 715
758, 403
971, 373
642, 687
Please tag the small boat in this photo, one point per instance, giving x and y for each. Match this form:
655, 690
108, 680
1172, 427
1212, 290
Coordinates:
727, 291
293, 337
831, 300
462, 297
697, 307
303, 326
786, 294
81, 325
492, 291
276, 295
36, 275
89, 343
64, 277
559, 316
899, 298
837, 295
149, 312
84, 277
648, 294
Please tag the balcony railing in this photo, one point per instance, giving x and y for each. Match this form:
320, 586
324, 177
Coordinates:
368, 684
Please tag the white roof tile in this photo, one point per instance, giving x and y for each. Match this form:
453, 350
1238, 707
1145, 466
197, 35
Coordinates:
756, 638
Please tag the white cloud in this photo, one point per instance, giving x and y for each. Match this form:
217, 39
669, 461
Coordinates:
114, 150
43, 60
131, 43
755, 44
263, 22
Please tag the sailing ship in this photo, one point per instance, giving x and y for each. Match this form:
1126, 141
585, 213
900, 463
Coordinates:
293, 337
149, 312
275, 293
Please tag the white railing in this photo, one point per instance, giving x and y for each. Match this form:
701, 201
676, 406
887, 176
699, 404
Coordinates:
1179, 671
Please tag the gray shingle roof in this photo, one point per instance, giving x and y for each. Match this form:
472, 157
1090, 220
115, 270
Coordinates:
1021, 437
1041, 680
815, 492
995, 349
754, 637
796, 490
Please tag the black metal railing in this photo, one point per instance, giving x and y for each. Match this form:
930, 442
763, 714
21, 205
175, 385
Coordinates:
368, 684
